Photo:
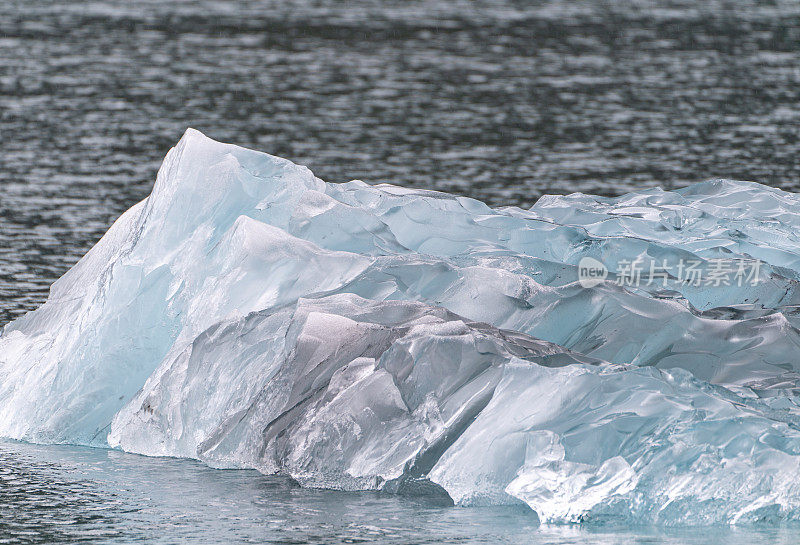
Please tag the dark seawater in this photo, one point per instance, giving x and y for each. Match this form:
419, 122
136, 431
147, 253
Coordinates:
500, 100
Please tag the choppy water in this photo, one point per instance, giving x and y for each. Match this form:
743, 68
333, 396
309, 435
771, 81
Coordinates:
501, 100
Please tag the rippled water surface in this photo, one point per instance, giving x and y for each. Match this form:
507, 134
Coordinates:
501, 100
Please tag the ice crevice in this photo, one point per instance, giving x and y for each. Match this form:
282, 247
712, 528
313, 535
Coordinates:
354, 336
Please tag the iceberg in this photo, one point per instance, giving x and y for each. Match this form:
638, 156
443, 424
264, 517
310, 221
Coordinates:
354, 336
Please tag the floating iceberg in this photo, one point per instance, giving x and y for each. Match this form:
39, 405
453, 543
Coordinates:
248, 314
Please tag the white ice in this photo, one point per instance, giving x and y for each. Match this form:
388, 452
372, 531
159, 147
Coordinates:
248, 314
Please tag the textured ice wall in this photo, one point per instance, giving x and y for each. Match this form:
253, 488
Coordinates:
250, 315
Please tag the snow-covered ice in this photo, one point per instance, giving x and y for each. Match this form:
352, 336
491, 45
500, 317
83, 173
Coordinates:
248, 314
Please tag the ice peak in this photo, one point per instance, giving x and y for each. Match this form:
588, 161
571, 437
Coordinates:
354, 336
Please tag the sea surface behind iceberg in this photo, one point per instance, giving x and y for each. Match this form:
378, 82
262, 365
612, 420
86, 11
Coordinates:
249, 315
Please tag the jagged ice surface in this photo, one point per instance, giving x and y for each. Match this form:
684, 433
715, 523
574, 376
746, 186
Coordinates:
250, 315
